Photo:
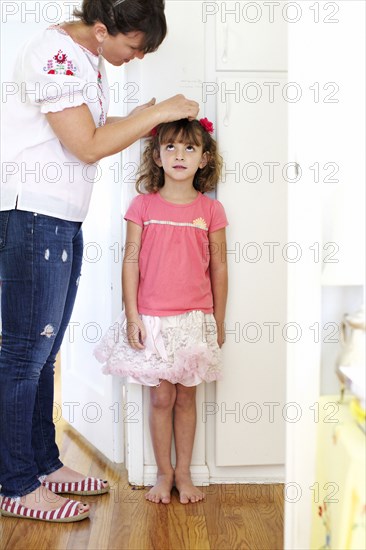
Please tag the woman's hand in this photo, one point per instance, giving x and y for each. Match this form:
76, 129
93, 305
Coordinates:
177, 107
138, 109
142, 107
136, 332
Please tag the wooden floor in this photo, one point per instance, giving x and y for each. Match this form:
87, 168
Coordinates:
232, 517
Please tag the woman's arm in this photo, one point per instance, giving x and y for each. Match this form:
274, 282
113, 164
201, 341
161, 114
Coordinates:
130, 283
219, 279
113, 119
76, 130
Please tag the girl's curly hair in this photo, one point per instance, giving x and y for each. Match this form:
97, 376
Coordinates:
151, 176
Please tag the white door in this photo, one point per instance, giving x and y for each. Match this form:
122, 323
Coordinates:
250, 36
252, 135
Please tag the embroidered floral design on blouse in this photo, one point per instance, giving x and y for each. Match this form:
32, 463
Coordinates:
60, 57
102, 118
60, 64
200, 222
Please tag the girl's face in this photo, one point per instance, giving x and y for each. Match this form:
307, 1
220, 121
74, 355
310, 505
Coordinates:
180, 161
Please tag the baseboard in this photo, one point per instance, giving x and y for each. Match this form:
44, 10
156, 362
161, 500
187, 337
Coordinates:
224, 480
200, 475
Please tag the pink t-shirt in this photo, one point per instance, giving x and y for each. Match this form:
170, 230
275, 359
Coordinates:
174, 257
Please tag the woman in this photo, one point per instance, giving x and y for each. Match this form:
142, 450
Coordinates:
55, 127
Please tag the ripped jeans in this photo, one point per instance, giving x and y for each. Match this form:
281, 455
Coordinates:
40, 263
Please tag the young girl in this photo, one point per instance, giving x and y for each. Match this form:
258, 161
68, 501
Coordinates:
174, 282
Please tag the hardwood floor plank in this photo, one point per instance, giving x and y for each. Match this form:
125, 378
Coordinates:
119, 535
79, 536
149, 526
240, 531
215, 519
251, 523
219, 542
178, 524
6, 531
197, 532
31, 534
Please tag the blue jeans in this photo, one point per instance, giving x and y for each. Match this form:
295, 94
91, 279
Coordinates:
40, 263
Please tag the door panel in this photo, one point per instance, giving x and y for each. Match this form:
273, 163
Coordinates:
250, 427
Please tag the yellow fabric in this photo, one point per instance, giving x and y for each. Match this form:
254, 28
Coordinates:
339, 488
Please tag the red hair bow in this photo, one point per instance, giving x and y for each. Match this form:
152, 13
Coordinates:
206, 124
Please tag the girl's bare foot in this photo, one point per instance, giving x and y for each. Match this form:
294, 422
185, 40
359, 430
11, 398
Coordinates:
161, 490
44, 500
187, 491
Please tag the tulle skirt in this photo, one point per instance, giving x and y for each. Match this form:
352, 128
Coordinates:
179, 348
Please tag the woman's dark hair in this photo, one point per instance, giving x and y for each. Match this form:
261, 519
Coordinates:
123, 16
151, 176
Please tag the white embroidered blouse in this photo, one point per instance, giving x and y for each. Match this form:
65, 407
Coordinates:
39, 174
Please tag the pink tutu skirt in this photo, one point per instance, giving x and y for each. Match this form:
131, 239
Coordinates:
180, 349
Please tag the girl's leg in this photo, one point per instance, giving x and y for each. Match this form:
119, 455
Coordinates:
162, 400
184, 430
35, 270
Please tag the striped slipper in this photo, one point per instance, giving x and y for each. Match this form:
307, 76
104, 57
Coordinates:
65, 514
88, 486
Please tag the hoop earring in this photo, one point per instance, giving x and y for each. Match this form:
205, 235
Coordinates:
100, 50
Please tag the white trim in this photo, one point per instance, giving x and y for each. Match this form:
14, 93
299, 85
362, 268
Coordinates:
201, 476
226, 480
135, 436
178, 224
199, 473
